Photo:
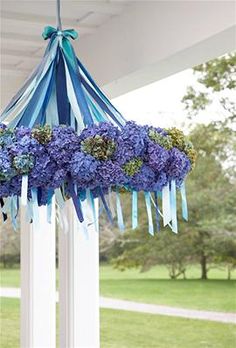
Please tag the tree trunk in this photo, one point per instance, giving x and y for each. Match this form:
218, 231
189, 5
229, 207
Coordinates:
203, 263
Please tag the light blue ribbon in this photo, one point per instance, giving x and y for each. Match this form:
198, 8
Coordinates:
173, 207
184, 202
134, 210
14, 210
166, 211
120, 219
149, 212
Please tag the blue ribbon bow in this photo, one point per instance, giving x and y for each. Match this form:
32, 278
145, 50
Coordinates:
50, 31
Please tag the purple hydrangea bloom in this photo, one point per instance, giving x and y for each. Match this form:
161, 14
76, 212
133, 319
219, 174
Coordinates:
157, 156
58, 178
144, 180
178, 164
157, 129
4, 189
105, 129
110, 173
43, 171
22, 131
83, 168
15, 185
160, 181
25, 146
131, 143
63, 144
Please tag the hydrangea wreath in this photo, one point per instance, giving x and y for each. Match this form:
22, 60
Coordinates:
100, 158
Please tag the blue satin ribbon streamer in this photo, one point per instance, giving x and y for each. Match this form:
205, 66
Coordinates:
106, 206
63, 105
120, 219
149, 213
184, 202
102, 96
76, 82
76, 200
173, 207
134, 210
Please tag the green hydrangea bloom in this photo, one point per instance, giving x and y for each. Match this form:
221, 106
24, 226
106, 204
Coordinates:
133, 166
99, 147
177, 137
162, 140
43, 134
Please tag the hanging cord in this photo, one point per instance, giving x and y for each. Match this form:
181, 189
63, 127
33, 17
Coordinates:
59, 26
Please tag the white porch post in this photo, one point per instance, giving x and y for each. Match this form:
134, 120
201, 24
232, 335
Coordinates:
38, 282
79, 281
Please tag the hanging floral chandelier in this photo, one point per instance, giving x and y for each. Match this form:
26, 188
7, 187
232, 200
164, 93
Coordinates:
61, 136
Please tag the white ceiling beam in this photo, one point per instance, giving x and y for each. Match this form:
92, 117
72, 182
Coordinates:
149, 33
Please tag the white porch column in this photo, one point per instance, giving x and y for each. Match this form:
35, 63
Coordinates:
79, 281
38, 282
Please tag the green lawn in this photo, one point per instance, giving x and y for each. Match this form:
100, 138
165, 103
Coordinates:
121, 329
216, 294
154, 287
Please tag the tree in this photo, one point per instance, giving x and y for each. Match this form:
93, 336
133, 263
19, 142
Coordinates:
9, 245
216, 81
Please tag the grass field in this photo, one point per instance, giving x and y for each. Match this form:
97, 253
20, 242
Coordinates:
121, 329
215, 294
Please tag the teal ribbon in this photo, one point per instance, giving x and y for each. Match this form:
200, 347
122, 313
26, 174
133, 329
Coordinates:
50, 31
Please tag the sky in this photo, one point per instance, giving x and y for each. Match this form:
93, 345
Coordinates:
159, 104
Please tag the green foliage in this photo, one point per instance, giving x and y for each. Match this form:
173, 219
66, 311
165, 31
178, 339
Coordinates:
218, 74
99, 147
133, 166
214, 78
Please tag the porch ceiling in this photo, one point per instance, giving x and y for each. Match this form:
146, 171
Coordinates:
124, 44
